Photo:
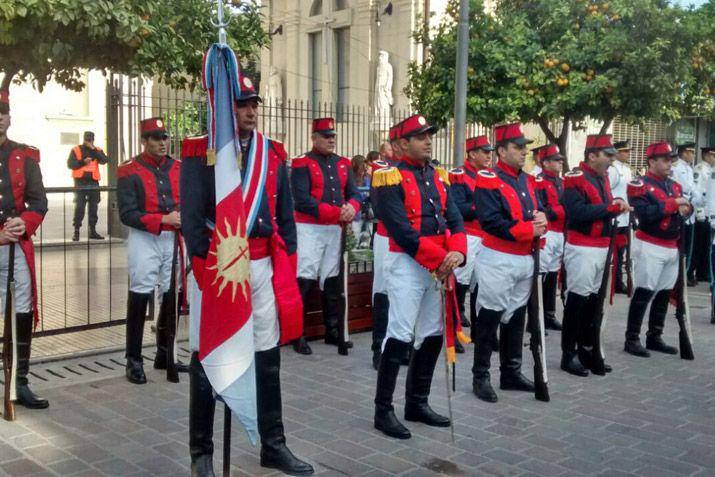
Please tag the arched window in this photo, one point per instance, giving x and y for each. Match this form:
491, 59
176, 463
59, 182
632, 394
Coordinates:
317, 8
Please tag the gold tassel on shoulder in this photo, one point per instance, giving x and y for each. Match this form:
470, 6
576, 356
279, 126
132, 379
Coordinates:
443, 174
388, 176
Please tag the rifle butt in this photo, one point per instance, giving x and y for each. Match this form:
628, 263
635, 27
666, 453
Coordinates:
686, 348
541, 391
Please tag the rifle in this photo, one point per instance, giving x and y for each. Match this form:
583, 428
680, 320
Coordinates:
599, 366
343, 331
682, 307
629, 259
9, 348
537, 341
172, 315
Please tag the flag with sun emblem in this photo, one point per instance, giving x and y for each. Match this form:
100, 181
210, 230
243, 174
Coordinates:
226, 347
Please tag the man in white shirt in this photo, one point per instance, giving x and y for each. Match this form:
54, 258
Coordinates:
682, 172
619, 175
702, 178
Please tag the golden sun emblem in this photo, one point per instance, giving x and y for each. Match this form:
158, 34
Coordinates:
233, 262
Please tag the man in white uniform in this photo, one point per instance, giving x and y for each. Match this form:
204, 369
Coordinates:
619, 175
682, 172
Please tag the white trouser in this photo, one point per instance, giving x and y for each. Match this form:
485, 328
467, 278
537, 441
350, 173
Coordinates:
504, 281
655, 268
584, 268
415, 300
266, 328
467, 275
23, 283
149, 260
552, 254
380, 247
319, 251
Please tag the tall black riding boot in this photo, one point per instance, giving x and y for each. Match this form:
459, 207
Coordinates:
620, 284
575, 306
202, 405
25, 397
483, 332
333, 309
385, 419
550, 283
380, 314
274, 452
162, 336
304, 286
93, 234
656, 320
511, 346
419, 381
461, 291
587, 330
636, 312
136, 314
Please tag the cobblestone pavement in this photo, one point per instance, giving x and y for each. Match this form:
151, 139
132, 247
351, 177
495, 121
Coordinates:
651, 417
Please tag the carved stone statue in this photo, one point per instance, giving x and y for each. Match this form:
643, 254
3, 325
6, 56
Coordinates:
274, 95
383, 91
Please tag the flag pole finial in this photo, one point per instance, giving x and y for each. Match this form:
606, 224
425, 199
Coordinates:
221, 24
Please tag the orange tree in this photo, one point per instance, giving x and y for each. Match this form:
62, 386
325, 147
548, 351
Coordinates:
163, 39
564, 61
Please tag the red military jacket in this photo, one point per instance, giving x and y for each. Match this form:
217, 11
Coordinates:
463, 181
148, 189
550, 189
22, 194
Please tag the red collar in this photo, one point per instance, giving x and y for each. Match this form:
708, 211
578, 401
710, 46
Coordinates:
512, 171
655, 177
151, 160
588, 169
414, 162
469, 167
549, 173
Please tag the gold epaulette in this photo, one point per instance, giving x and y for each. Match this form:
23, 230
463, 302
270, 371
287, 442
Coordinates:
443, 174
388, 176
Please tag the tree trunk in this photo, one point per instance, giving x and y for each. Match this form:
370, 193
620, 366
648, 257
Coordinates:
7, 79
606, 124
559, 140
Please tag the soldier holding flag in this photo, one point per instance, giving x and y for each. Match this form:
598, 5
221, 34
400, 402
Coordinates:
271, 289
23, 205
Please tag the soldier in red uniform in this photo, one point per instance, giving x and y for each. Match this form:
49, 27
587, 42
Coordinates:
23, 205
148, 196
550, 191
272, 247
326, 198
508, 212
426, 241
590, 209
380, 247
463, 181
661, 210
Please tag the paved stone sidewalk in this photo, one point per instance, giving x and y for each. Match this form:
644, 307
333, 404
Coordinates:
650, 417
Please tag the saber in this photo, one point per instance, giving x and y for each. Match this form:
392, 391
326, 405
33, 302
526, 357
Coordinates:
9, 349
443, 295
629, 258
537, 340
172, 373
